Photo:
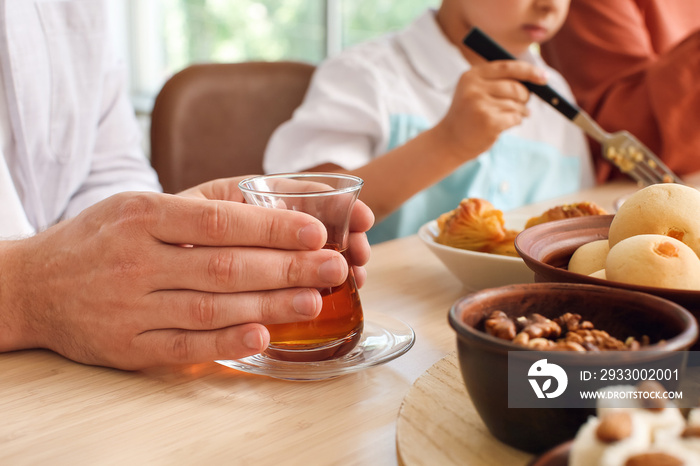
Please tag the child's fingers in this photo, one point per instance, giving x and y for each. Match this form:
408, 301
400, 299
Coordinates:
510, 106
508, 89
506, 113
512, 69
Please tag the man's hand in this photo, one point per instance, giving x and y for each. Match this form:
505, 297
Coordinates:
361, 219
144, 279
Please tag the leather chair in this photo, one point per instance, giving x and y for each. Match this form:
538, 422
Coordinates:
214, 120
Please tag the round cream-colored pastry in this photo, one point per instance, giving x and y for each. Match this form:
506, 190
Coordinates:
654, 260
688, 440
668, 209
694, 417
596, 440
589, 257
664, 419
599, 274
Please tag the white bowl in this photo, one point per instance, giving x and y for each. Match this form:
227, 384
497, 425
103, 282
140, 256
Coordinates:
477, 270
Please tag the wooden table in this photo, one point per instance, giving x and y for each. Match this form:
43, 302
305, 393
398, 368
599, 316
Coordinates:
54, 411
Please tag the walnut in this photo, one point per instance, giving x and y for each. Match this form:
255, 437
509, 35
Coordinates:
572, 346
541, 344
573, 337
589, 346
521, 338
521, 322
500, 325
538, 326
633, 344
585, 325
567, 332
598, 338
570, 321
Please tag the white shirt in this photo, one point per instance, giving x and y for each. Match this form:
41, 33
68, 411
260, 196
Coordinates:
13, 220
75, 138
376, 96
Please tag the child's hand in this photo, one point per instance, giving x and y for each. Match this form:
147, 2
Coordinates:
488, 100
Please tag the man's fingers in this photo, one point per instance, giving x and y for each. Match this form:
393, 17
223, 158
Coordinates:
361, 218
360, 276
179, 220
358, 249
193, 310
223, 189
175, 347
227, 270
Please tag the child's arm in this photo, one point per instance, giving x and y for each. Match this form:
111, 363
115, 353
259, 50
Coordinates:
488, 100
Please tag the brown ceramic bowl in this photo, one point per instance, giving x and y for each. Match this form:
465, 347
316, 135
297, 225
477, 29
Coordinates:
547, 248
484, 359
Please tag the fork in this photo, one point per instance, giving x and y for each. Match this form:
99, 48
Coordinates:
621, 148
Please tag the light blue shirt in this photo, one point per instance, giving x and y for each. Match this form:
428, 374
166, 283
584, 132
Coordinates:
514, 172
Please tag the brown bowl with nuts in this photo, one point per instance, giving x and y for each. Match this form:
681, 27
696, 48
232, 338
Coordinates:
596, 326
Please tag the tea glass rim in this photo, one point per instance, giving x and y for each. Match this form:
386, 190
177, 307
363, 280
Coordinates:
359, 182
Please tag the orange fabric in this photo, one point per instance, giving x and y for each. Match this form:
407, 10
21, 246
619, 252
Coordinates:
634, 65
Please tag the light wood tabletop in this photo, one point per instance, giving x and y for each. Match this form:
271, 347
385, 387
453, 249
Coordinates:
55, 411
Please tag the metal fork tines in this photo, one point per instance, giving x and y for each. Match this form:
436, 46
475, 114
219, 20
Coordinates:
636, 160
628, 154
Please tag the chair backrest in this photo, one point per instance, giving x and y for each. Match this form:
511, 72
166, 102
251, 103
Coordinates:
214, 120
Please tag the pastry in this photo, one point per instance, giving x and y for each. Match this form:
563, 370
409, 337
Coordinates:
668, 209
654, 260
579, 209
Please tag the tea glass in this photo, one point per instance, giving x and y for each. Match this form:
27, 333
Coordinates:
329, 197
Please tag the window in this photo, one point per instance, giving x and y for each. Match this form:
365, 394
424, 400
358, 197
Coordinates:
167, 35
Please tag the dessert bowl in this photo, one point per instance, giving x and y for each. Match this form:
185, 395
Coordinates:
547, 248
484, 358
476, 270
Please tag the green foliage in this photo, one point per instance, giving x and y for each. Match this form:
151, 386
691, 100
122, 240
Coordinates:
240, 30
366, 19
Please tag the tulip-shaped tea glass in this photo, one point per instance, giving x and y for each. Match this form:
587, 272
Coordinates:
329, 197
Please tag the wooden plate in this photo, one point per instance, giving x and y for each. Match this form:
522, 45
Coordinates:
438, 424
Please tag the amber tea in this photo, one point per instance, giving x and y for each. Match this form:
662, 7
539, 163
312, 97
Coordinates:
334, 333
328, 197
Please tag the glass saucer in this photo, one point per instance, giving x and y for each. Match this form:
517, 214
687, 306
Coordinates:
383, 339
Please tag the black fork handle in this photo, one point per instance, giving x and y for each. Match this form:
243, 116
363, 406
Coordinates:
490, 50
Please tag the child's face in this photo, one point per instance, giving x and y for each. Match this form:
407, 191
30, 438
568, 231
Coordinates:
515, 24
